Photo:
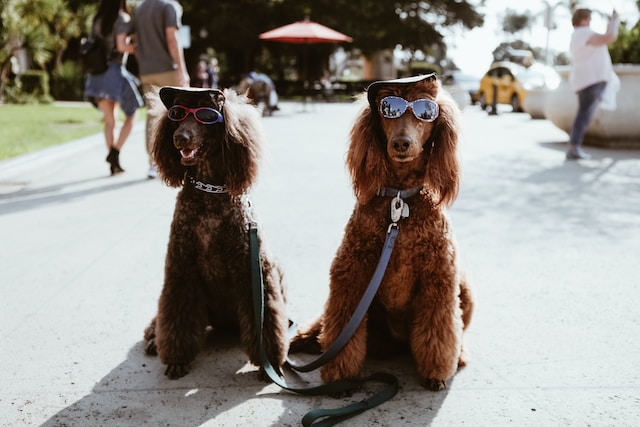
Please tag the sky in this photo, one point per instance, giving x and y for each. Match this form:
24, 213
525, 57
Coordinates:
471, 50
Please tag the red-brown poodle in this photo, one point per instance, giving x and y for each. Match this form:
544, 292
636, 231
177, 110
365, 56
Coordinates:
209, 143
404, 140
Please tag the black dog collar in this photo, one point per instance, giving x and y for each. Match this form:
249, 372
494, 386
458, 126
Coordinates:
404, 194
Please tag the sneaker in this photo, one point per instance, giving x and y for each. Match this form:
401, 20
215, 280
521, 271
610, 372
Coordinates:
577, 155
153, 172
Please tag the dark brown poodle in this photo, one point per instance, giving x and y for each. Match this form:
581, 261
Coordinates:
209, 143
404, 139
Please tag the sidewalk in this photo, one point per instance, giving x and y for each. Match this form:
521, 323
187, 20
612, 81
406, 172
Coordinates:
551, 246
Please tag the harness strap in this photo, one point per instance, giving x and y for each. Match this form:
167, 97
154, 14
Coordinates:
317, 417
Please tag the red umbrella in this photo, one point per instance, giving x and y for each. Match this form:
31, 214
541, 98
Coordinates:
305, 32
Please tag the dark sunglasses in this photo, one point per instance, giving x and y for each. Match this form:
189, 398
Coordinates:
392, 107
204, 115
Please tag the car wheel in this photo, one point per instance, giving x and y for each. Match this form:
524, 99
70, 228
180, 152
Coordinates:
515, 104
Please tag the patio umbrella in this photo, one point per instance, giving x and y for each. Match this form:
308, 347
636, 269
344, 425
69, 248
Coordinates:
305, 32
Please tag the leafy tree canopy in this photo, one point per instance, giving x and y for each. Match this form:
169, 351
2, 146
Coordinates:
49, 30
514, 22
232, 26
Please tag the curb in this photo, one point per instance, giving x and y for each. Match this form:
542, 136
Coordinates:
56, 151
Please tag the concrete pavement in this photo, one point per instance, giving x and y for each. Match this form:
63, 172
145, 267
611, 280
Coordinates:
551, 246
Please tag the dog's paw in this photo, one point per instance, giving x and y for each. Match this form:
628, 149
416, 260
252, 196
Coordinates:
150, 348
175, 371
305, 344
150, 331
464, 358
433, 384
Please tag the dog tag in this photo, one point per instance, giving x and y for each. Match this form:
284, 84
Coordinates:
405, 210
397, 205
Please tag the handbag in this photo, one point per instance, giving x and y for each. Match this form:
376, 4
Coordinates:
93, 55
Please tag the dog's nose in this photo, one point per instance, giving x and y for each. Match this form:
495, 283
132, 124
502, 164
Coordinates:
401, 143
180, 139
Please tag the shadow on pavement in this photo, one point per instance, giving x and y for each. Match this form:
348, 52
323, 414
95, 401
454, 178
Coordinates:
530, 194
34, 198
219, 386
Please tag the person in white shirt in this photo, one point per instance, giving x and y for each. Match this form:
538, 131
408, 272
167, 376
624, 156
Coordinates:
591, 70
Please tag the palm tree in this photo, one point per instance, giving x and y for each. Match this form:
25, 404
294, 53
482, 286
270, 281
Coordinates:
34, 31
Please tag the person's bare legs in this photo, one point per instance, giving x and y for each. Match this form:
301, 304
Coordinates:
108, 109
125, 131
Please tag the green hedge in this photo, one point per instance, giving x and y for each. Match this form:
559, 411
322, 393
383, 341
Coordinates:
30, 87
626, 48
67, 84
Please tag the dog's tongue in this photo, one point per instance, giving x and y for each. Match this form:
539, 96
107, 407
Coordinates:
188, 153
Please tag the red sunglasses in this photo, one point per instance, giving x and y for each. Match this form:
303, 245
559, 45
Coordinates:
204, 115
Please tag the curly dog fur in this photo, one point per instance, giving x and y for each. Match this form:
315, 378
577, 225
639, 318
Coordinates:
424, 303
207, 270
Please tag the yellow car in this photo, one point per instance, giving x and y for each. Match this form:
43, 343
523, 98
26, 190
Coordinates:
513, 81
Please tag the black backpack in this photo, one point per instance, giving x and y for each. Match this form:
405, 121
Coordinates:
94, 55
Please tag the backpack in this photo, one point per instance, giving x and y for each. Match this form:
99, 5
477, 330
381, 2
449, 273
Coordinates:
93, 55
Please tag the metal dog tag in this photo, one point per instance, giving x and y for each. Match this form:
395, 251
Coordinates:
405, 210
397, 205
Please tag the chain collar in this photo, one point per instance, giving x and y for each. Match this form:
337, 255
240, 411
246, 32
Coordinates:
207, 188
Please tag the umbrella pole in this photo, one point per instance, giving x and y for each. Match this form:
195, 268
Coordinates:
305, 76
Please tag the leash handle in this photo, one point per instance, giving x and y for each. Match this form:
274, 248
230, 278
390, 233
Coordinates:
316, 417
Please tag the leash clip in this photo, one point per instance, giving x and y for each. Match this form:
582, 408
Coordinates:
391, 227
252, 223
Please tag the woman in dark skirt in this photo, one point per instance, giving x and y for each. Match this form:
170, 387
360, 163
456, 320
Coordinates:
116, 86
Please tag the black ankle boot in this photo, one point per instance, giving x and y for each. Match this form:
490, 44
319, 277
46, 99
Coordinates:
113, 153
114, 159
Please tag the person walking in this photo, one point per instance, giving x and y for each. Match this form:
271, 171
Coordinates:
213, 70
116, 86
202, 75
273, 93
591, 70
159, 52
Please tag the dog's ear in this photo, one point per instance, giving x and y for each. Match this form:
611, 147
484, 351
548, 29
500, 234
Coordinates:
443, 170
163, 152
243, 140
165, 155
366, 158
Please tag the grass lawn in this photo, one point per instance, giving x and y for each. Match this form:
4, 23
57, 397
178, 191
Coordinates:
27, 128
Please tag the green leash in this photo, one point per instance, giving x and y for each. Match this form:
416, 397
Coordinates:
317, 417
